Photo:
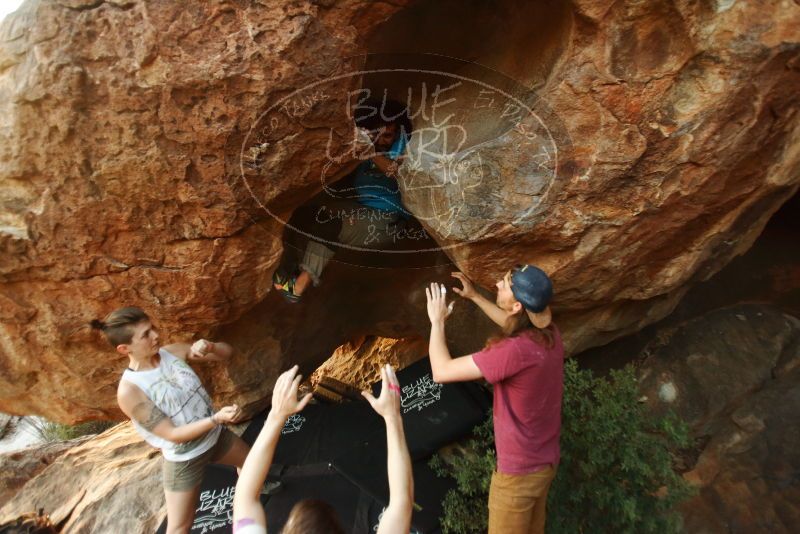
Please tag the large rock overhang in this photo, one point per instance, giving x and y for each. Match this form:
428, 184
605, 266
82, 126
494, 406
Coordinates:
125, 125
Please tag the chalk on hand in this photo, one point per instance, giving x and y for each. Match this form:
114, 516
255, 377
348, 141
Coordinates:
444, 290
450, 307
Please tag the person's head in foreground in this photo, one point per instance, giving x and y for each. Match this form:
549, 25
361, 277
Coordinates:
310, 515
313, 516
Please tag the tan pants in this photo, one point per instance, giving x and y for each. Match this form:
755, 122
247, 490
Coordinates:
517, 502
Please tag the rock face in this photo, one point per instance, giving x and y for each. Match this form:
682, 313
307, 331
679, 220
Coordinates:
734, 376
140, 164
6, 421
358, 363
18, 467
109, 483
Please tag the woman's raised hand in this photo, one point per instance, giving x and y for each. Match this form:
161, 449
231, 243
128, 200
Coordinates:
284, 394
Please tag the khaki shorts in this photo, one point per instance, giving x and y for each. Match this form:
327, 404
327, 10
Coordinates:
517, 502
184, 476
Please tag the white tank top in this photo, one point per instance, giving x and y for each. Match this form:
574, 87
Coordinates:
176, 390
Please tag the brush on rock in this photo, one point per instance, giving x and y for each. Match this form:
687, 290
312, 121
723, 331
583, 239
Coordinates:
344, 390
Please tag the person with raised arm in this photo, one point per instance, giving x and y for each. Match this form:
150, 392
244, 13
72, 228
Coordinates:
313, 516
525, 365
370, 216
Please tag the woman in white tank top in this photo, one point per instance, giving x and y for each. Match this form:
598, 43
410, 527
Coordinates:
171, 410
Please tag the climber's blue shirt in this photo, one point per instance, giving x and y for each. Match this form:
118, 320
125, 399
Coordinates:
375, 189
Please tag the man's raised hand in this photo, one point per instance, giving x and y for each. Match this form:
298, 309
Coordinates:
438, 310
284, 394
467, 290
363, 145
388, 402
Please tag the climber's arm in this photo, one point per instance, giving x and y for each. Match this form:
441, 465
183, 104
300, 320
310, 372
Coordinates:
135, 404
201, 351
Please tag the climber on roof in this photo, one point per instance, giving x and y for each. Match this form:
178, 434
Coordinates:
366, 219
168, 406
525, 365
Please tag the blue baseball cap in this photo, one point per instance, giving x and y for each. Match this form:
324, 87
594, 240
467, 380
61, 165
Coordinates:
532, 287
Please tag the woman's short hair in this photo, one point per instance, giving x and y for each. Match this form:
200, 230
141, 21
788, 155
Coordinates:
118, 325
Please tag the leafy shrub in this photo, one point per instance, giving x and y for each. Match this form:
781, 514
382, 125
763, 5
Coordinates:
465, 506
616, 472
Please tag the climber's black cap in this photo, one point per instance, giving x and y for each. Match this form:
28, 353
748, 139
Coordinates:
532, 287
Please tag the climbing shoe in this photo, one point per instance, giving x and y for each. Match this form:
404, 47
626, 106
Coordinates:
285, 284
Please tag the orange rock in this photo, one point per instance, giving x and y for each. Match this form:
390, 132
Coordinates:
122, 179
110, 483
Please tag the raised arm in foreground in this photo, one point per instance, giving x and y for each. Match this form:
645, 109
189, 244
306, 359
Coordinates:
246, 504
397, 517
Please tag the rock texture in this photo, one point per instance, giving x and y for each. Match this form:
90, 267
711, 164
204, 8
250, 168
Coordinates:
18, 467
109, 483
358, 362
734, 376
6, 421
124, 125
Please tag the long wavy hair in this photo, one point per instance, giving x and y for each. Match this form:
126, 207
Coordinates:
520, 324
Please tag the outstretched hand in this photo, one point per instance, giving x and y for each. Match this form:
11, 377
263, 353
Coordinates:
388, 402
284, 394
438, 310
467, 290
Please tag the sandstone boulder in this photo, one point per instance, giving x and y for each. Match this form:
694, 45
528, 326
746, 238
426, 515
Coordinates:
358, 363
734, 376
136, 168
18, 467
107, 483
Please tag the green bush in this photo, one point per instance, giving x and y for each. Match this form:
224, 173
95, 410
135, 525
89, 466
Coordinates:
49, 432
616, 472
465, 506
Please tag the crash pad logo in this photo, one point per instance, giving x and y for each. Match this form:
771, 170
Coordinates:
420, 394
293, 424
431, 143
214, 511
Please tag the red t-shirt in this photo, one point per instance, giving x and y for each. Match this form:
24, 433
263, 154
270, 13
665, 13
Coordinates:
528, 381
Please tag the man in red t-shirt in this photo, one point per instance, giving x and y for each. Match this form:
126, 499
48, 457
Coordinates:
526, 367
